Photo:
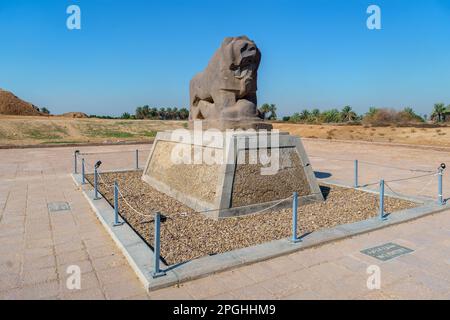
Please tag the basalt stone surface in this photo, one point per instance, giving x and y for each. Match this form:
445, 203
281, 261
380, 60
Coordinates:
224, 94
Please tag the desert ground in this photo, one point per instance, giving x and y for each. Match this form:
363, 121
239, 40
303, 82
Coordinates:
30, 130
439, 136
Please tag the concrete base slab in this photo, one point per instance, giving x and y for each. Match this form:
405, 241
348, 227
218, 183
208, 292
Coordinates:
140, 255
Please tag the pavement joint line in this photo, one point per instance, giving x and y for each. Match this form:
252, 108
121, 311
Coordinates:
208, 265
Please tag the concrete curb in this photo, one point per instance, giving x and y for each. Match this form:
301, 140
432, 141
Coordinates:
140, 255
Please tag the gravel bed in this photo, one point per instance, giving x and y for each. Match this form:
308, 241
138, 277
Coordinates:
187, 235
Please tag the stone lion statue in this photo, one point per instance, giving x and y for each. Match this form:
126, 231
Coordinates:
224, 95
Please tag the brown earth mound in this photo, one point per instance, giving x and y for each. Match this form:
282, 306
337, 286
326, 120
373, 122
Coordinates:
12, 105
75, 115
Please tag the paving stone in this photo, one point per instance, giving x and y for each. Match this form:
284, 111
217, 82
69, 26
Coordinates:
71, 257
88, 294
171, 293
108, 262
9, 281
202, 288
253, 292
39, 263
424, 274
122, 290
102, 251
85, 267
89, 280
38, 275
46, 290
115, 274
258, 272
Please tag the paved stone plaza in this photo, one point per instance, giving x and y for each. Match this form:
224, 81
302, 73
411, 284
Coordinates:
37, 244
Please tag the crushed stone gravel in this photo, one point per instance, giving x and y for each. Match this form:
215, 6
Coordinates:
186, 235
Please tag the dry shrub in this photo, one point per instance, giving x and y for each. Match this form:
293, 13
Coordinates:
389, 117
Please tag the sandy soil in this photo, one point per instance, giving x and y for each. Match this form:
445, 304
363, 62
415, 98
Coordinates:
405, 135
30, 130
23, 130
186, 235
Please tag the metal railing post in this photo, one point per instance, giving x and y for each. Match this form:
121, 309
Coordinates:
75, 161
440, 197
137, 159
116, 205
157, 271
83, 176
96, 184
356, 174
294, 239
382, 213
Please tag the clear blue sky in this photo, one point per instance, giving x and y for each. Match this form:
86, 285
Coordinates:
315, 53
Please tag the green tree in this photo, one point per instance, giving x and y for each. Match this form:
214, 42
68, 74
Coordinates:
330, 116
315, 115
305, 115
153, 113
146, 111
183, 113
126, 115
372, 111
295, 117
162, 113
139, 113
273, 112
348, 115
438, 111
265, 109
45, 110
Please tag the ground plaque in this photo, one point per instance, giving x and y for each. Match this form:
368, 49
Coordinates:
386, 251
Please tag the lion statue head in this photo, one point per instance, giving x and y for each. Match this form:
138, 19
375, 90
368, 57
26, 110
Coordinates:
226, 90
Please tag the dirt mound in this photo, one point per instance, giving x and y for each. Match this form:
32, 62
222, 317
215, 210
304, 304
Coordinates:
75, 115
12, 105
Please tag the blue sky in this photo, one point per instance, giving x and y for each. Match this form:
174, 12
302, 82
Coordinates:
315, 53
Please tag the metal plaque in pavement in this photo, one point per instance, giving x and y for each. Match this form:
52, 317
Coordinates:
386, 251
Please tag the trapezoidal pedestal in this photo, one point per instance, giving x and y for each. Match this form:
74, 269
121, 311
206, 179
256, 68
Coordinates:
243, 182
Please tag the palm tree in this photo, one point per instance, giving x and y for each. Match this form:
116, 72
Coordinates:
139, 113
305, 115
438, 110
265, 109
347, 114
273, 112
315, 115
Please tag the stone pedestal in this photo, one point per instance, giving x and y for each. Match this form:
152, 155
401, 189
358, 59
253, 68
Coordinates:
239, 183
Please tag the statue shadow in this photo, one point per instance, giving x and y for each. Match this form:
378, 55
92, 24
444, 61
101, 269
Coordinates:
325, 191
322, 175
